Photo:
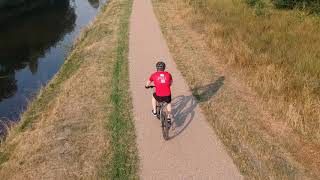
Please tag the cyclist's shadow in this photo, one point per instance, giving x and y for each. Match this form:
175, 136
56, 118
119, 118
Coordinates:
183, 113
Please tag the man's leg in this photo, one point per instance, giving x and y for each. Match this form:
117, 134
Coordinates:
154, 104
169, 110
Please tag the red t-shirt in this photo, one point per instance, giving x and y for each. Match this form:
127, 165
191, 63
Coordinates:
162, 80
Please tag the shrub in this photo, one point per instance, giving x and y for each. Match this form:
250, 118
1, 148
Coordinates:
252, 2
311, 5
259, 8
284, 3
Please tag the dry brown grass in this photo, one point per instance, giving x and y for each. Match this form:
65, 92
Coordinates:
261, 141
63, 133
277, 51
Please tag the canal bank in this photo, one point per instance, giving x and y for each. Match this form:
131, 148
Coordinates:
71, 130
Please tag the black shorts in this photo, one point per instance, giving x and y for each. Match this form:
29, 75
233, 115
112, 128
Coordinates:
166, 99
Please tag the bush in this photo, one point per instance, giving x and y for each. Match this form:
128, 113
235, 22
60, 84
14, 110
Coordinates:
252, 2
284, 3
259, 8
311, 5
315, 7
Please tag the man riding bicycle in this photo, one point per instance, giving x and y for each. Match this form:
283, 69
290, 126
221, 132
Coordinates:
162, 81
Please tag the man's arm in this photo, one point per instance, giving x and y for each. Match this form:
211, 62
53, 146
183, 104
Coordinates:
148, 83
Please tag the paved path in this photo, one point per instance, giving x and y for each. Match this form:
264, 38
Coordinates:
194, 151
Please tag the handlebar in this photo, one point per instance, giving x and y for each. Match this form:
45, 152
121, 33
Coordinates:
147, 87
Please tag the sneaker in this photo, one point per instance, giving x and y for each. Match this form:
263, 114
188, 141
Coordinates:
169, 121
154, 113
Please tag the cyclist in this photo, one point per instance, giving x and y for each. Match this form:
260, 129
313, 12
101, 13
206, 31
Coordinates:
162, 81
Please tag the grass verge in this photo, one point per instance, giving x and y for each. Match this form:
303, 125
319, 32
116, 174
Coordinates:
124, 158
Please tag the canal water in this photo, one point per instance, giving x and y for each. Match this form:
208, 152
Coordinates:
33, 46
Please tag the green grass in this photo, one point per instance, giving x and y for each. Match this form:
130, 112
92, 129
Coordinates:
123, 161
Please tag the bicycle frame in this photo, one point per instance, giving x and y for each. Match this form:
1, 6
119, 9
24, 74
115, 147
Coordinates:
161, 106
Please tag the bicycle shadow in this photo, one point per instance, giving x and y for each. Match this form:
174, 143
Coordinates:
183, 113
183, 106
204, 93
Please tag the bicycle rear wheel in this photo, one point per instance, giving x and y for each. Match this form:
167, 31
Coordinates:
164, 125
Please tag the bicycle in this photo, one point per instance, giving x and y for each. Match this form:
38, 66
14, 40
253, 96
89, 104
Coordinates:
161, 114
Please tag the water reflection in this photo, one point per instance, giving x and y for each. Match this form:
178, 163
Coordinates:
24, 40
12, 8
94, 3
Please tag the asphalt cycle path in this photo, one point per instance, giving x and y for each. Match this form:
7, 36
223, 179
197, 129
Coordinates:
194, 150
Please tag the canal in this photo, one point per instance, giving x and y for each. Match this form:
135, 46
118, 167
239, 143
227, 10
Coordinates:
33, 46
